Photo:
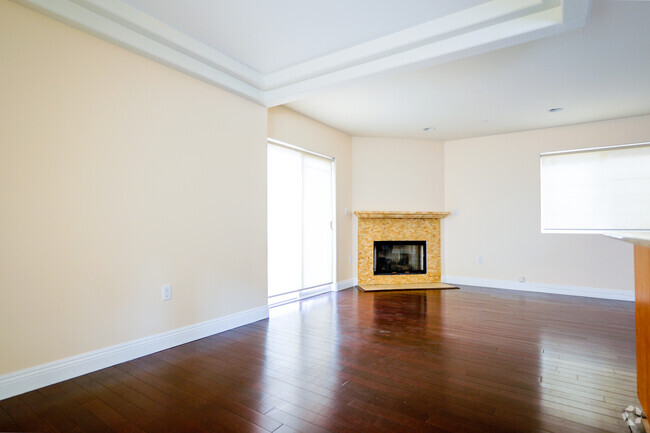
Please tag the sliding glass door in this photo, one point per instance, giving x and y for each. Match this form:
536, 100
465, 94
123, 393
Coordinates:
300, 221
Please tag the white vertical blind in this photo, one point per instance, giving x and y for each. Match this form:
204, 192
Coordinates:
284, 175
300, 218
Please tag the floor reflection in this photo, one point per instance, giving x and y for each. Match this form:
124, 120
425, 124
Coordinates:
301, 354
469, 360
400, 309
443, 360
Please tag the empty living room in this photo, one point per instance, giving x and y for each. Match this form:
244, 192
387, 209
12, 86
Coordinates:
310, 216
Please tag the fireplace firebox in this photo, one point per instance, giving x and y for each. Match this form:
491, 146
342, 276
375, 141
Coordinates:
400, 257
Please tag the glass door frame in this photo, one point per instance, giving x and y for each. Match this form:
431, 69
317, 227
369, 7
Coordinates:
306, 292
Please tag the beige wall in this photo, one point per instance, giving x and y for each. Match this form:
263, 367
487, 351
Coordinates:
493, 183
290, 127
118, 175
397, 174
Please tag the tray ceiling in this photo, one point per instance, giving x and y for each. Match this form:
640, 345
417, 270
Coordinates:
274, 55
427, 69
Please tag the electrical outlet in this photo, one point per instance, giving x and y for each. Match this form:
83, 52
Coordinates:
166, 292
480, 259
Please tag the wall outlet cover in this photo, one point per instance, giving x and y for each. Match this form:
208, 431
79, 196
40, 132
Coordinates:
166, 292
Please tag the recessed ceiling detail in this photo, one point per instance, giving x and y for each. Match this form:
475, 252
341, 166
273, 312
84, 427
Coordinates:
269, 36
451, 30
596, 73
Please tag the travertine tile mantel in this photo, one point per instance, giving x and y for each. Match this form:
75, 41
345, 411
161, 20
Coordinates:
394, 214
398, 226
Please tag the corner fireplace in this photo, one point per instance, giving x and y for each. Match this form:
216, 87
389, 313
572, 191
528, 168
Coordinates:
376, 226
400, 257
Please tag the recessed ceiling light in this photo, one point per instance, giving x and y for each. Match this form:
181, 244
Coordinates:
429, 129
553, 110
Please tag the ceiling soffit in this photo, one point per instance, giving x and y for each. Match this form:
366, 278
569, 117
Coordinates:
491, 25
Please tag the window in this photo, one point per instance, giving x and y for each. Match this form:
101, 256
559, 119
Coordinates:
596, 190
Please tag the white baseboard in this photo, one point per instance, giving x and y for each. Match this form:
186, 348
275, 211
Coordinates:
42, 375
345, 284
336, 286
589, 292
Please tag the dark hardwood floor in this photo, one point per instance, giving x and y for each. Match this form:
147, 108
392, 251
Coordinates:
469, 360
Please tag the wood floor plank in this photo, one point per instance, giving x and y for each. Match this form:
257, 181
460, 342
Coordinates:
6, 422
111, 417
25, 418
471, 360
48, 410
229, 412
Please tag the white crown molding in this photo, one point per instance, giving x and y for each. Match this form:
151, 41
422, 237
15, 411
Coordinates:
488, 26
39, 376
128, 28
558, 289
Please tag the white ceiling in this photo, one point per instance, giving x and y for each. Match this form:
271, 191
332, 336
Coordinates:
269, 36
601, 71
393, 67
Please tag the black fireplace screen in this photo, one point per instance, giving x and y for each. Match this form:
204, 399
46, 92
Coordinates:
400, 257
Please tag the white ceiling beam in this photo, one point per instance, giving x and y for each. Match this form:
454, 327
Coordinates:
488, 26
385, 46
507, 33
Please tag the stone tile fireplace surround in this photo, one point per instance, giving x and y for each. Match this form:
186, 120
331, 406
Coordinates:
398, 226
